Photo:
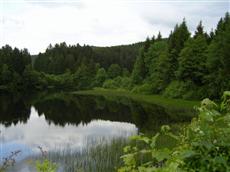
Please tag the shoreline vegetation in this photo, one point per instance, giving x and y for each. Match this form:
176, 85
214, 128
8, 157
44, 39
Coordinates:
103, 156
203, 145
152, 99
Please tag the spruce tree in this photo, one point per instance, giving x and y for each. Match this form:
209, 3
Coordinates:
139, 70
199, 30
159, 37
176, 43
218, 61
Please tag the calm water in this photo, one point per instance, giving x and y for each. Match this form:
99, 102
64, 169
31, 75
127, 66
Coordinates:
63, 121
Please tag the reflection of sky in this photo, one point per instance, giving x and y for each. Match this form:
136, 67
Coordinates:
37, 132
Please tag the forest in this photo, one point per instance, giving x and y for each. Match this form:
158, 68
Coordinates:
184, 65
69, 93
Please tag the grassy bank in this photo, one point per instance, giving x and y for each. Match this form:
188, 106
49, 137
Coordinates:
152, 99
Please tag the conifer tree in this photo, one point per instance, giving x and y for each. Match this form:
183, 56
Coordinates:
218, 61
176, 43
159, 37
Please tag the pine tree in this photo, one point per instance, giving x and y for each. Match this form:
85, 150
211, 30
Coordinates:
199, 30
211, 36
159, 37
218, 61
153, 39
139, 70
176, 43
147, 44
192, 60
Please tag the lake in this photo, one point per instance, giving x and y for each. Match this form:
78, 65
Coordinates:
71, 128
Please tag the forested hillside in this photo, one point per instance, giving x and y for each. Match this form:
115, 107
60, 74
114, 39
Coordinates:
184, 65
60, 57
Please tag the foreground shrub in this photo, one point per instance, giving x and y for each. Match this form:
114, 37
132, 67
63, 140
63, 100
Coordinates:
204, 145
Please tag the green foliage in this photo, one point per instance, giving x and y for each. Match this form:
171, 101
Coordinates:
123, 82
192, 61
159, 36
114, 71
147, 44
125, 72
60, 57
184, 90
110, 83
160, 78
176, 43
84, 76
100, 77
46, 166
152, 55
203, 145
144, 89
12, 65
225, 105
175, 89
33, 79
139, 70
218, 59
118, 82
198, 65
180, 66
6, 74
123, 55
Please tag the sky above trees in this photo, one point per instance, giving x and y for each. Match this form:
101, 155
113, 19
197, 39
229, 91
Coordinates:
35, 24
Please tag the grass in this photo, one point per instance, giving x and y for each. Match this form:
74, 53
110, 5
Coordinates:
152, 99
105, 156
102, 157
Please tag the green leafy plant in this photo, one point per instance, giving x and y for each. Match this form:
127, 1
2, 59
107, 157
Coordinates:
203, 145
46, 166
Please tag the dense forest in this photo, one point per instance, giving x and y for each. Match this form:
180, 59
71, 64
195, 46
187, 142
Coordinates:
184, 65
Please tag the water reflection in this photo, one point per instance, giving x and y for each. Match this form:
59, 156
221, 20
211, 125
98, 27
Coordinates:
38, 132
59, 121
61, 109
13, 109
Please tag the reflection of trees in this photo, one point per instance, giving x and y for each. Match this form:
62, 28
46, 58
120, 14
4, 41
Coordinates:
149, 117
68, 109
62, 109
13, 109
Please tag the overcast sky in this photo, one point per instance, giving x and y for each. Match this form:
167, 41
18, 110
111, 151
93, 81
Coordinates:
35, 24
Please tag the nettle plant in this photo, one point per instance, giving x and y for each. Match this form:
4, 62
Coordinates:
203, 145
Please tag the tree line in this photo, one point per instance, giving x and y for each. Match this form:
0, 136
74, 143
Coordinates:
185, 66
60, 57
64, 67
180, 66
